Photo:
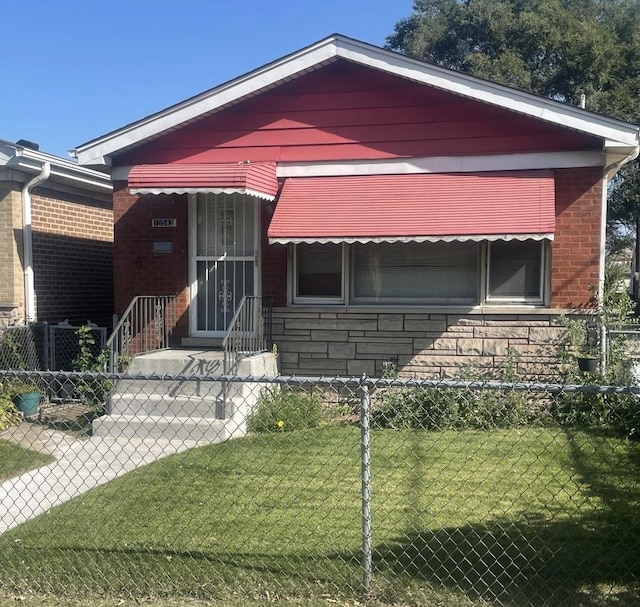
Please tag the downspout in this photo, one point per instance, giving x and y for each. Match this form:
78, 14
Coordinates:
27, 242
608, 173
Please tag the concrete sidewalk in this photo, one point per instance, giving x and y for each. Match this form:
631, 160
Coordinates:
81, 465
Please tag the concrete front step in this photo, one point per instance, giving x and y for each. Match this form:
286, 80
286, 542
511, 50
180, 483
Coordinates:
189, 410
160, 427
170, 388
145, 403
180, 362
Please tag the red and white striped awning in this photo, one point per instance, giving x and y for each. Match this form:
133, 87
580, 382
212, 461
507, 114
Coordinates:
254, 179
509, 205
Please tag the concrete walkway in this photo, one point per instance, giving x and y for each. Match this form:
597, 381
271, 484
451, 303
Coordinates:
81, 465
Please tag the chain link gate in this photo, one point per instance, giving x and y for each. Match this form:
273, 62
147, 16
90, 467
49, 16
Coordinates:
401, 492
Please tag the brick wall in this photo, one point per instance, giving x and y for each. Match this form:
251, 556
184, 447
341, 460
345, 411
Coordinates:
72, 257
576, 247
274, 262
137, 269
11, 275
574, 267
317, 341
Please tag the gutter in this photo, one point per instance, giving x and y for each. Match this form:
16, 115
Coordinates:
27, 242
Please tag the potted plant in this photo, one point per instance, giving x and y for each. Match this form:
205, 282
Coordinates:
583, 343
26, 397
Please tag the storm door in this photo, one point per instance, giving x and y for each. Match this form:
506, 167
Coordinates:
224, 249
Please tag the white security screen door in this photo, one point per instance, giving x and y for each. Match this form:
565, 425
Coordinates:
224, 259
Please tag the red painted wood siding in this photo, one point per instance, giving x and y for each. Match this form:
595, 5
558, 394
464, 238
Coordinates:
343, 111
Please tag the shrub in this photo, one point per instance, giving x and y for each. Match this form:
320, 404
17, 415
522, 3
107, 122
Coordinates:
92, 391
9, 415
454, 408
285, 410
457, 408
615, 412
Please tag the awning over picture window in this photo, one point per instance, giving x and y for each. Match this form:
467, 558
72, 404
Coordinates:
254, 179
515, 205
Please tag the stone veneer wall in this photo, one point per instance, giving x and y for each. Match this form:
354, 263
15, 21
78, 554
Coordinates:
426, 345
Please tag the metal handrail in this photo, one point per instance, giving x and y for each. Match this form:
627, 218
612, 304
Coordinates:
249, 331
146, 326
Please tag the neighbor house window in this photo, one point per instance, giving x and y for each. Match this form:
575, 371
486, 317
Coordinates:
438, 273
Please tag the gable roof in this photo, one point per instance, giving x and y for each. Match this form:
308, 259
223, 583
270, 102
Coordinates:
618, 137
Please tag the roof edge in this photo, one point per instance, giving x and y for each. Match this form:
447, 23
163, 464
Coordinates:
27, 160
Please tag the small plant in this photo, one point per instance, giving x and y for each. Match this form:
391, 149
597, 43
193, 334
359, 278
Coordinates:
446, 408
285, 410
10, 356
93, 391
390, 368
9, 415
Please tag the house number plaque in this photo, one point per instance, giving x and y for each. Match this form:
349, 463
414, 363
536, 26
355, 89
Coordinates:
164, 223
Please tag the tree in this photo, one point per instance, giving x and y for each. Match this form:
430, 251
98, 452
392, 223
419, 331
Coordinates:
561, 49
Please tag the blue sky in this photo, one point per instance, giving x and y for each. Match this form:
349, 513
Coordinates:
74, 70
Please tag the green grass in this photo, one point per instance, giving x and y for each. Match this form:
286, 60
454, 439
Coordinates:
15, 460
516, 517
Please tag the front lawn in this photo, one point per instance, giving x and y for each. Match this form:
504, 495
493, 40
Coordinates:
15, 459
518, 517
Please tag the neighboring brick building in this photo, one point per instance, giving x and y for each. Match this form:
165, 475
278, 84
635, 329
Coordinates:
393, 210
56, 239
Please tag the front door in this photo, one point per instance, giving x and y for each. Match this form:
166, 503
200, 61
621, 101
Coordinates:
224, 259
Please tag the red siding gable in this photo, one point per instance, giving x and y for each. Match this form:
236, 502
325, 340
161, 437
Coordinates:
343, 111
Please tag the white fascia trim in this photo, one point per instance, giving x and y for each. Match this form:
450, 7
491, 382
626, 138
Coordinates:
433, 164
489, 92
405, 239
31, 162
442, 164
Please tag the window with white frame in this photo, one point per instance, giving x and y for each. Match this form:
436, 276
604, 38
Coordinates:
515, 271
319, 272
438, 273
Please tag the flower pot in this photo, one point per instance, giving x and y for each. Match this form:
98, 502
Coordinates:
588, 364
27, 403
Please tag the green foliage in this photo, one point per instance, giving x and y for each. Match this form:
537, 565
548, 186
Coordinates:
10, 356
285, 410
89, 358
617, 412
556, 48
9, 415
443, 408
93, 391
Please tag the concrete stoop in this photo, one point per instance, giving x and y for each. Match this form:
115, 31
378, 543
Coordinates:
179, 409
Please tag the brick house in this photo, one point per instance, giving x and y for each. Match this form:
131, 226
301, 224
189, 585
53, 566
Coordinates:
391, 208
56, 239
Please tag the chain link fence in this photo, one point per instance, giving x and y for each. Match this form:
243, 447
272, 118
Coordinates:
340, 490
44, 346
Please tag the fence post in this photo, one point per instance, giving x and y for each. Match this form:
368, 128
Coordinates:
45, 346
604, 336
365, 459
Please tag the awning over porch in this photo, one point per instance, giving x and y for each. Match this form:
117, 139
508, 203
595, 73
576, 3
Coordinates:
510, 205
254, 179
